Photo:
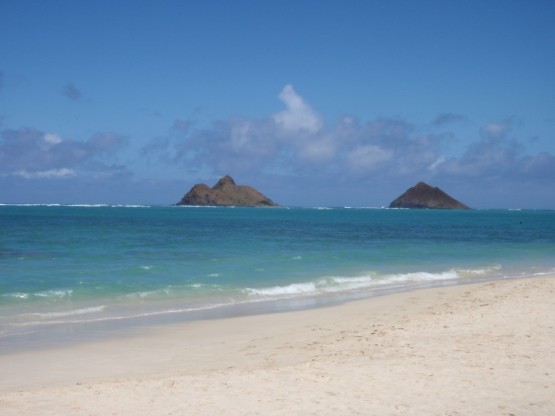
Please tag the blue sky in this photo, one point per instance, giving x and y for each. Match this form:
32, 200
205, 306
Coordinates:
312, 102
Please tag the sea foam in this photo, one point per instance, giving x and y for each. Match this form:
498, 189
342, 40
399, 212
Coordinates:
292, 289
338, 284
73, 312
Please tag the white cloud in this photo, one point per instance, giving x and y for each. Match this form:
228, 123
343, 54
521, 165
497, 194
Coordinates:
437, 163
298, 117
47, 174
30, 153
318, 150
368, 158
241, 136
496, 131
51, 138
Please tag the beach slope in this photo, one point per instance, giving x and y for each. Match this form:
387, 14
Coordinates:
486, 349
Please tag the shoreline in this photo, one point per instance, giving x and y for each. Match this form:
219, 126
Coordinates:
54, 335
483, 348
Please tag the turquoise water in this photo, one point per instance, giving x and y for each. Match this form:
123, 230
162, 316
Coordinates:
72, 271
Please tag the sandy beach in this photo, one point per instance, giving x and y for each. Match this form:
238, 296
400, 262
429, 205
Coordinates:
483, 349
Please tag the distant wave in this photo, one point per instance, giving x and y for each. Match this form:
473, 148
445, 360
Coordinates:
31, 205
198, 206
59, 293
173, 291
16, 295
47, 294
365, 207
131, 206
80, 205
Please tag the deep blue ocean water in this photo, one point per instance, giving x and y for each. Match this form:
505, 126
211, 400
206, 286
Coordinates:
67, 272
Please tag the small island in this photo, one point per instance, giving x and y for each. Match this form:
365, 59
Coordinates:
424, 196
225, 193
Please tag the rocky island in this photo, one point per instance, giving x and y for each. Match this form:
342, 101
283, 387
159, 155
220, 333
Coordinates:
425, 196
225, 193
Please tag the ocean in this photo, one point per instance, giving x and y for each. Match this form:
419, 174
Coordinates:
77, 273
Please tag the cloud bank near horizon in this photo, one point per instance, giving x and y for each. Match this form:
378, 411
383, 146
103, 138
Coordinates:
297, 142
32, 154
294, 146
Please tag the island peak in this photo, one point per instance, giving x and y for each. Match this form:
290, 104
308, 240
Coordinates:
225, 193
226, 180
425, 196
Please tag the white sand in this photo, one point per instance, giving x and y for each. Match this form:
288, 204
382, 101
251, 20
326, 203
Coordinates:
485, 349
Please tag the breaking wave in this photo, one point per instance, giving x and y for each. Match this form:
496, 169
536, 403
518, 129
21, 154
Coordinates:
338, 284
